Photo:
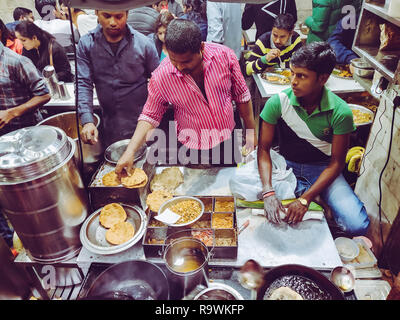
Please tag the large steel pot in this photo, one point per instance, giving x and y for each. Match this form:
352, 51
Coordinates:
130, 280
42, 193
67, 122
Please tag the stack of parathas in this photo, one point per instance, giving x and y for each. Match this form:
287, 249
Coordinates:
136, 179
112, 217
163, 186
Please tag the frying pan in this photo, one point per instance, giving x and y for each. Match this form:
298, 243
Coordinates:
130, 280
292, 270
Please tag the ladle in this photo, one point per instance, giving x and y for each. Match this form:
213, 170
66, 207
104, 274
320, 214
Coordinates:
343, 278
251, 277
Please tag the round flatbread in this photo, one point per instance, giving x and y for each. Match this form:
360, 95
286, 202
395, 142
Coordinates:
111, 214
111, 179
157, 198
284, 293
120, 233
169, 179
137, 178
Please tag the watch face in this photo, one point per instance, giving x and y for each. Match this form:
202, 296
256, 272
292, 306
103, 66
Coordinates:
303, 201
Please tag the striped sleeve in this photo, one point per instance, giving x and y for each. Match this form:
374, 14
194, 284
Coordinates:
155, 105
240, 92
254, 64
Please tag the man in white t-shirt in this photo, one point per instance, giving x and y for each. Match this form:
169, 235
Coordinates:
60, 29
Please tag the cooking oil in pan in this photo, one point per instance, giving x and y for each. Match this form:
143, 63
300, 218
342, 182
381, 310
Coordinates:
308, 289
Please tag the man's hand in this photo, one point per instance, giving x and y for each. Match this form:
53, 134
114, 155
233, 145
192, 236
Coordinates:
273, 209
89, 133
272, 54
251, 141
5, 117
125, 162
295, 212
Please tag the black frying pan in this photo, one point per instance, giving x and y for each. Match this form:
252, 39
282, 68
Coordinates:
130, 280
291, 275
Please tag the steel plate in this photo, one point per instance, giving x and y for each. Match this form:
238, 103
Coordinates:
363, 109
336, 73
115, 151
92, 234
275, 75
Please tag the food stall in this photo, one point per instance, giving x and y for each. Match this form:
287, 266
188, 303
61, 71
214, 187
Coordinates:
283, 252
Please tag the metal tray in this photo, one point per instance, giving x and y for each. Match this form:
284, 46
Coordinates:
101, 195
92, 234
161, 234
115, 151
372, 289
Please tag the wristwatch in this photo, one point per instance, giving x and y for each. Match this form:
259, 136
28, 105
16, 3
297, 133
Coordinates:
303, 201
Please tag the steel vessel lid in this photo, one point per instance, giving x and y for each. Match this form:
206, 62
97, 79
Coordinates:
31, 151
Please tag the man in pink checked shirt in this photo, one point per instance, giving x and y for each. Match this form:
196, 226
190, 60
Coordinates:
200, 80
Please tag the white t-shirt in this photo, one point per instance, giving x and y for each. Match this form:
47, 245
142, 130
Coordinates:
86, 23
60, 29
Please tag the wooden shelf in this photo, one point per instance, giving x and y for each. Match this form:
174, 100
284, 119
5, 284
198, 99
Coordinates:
381, 12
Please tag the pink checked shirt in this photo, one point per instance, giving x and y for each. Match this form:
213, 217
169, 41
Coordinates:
200, 124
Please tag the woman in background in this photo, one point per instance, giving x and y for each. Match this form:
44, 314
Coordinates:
42, 48
9, 40
196, 11
161, 25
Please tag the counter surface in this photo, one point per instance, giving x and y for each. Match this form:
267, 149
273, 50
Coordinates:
309, 243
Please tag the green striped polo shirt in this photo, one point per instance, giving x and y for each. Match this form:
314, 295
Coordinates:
305, 138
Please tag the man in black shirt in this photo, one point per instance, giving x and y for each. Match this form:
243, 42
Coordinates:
263, 15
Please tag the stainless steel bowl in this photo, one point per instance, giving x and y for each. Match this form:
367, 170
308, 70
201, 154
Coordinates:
115, 151
92, 234
360, 63
67, 122
218, 291
364, 73
176, 200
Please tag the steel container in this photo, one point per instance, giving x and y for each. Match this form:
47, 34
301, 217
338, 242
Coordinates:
42, 193
67, 122
186, 260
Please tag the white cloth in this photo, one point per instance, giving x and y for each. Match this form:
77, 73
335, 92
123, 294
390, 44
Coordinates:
86, 23
224, 24
60, 29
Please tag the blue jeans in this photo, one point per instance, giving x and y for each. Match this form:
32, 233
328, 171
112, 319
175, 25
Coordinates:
347, 210
5, 231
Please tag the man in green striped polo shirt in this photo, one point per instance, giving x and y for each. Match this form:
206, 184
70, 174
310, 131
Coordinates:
313, 127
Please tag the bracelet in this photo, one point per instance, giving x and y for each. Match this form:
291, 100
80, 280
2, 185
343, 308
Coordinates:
264, 60
267, 194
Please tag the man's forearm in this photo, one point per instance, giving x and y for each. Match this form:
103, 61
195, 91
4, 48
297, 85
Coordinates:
246, 113
32, 104
139, 136
264, 162
324, 180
